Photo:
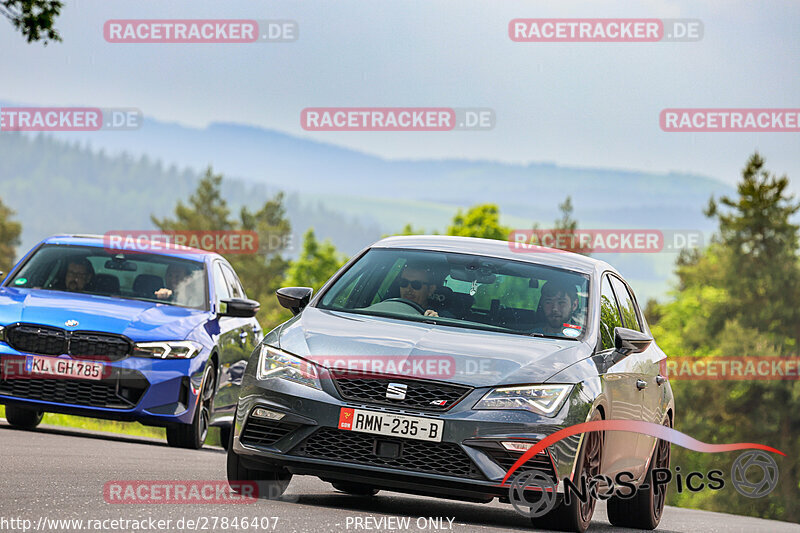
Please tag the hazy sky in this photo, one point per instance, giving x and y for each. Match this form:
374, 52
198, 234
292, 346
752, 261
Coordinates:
582, 104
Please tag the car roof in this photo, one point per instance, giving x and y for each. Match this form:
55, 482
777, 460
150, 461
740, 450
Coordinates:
501, 249
97, 241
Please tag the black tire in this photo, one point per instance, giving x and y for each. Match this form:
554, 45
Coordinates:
355, 489
224, 437
23, 417
269, 484
577, 516
193, 435
644, 508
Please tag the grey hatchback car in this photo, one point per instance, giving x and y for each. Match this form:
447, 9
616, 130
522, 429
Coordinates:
430, 364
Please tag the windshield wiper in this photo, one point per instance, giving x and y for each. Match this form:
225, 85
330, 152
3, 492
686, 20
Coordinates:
547, 336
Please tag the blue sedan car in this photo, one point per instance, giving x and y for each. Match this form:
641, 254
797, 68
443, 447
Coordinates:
160, 337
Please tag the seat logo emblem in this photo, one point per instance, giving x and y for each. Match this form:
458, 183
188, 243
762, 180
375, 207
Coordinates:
71, 323
396, 391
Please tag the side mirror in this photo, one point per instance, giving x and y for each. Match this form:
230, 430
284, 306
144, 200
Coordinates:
239, 307
294, 298
628, 341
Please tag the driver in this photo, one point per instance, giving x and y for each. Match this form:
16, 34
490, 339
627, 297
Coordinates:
79, 274
559, 301
417, 285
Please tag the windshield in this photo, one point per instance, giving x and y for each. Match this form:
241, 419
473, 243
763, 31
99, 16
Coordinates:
464, 290
137, 276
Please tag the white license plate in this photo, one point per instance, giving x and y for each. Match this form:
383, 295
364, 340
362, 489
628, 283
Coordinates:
52, 366
409, 427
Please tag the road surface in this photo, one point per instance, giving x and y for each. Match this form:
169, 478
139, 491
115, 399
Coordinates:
56, 474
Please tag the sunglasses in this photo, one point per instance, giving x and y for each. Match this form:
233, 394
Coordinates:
415, 284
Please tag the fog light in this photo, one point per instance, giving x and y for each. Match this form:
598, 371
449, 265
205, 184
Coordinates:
259, 412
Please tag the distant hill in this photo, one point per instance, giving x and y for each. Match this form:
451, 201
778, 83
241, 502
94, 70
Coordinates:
104, 180
59, 187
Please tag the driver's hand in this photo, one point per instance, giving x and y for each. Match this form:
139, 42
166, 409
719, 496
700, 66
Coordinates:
163, 294
431, 312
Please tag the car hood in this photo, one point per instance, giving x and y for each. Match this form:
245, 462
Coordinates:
137, 320
467, 356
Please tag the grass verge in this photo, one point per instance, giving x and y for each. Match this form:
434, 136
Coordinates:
112, 426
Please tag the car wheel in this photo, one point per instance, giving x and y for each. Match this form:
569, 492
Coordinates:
270, 484
23, 417
356, 489
578, 515
194, 435
644, 508
224, 436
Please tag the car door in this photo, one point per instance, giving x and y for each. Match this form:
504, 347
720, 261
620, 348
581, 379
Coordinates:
646, 365
231, 344
619, 379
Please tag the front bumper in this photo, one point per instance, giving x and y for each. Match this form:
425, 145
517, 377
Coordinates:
154, 392
469, 463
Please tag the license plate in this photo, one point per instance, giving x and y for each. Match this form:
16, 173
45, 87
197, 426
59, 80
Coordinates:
52, 366
409, 427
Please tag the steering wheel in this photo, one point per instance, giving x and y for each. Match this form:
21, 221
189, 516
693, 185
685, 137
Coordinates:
409, 303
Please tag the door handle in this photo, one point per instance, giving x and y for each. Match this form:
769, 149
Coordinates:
640, 384
660, 380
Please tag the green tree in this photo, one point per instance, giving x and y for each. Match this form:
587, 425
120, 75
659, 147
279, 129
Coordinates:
35, 19
567, 227
482, 220
317, 263
739, 297
261, 272
10, 231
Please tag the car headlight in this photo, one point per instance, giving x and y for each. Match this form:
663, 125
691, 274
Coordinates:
2, 334
274, 363
541, 399
167, 349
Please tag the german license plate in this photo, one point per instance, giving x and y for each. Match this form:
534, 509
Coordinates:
53, 366
409, 427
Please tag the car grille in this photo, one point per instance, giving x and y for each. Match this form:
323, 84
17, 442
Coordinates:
122, 390
265, 432
442, 458
30, 338
420, 394
37, 339
540, 462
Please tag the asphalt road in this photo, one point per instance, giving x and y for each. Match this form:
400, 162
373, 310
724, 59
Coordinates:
59, 474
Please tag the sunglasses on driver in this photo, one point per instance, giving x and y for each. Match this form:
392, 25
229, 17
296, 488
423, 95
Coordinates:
415, 284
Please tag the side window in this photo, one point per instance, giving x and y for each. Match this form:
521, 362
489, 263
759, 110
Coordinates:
220, 283
626, 304
234, 286
609, 315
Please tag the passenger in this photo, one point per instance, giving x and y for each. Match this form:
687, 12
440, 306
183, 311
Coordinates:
559, 301
175, 275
